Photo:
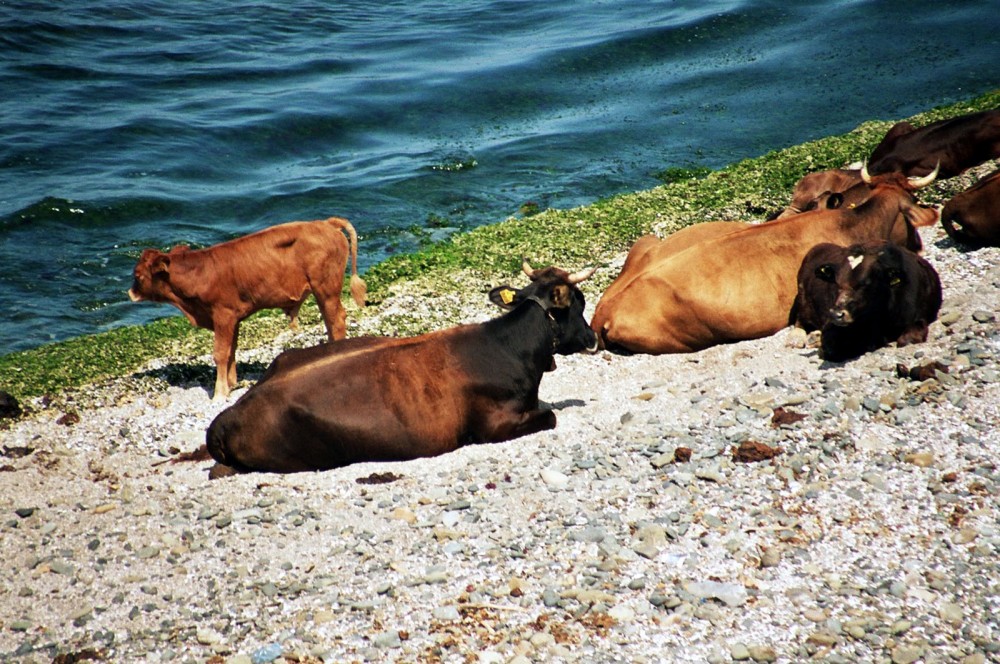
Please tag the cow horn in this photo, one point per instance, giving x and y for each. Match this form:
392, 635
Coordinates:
526, 266
865, 175
582, 275
918, 182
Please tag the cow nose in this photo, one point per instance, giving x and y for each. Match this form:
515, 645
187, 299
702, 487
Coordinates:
840, 317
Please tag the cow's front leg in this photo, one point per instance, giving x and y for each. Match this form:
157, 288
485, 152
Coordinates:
224, 354
506, 424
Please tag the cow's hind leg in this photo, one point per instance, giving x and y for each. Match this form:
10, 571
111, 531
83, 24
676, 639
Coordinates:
293, 314
915, 334
334, 315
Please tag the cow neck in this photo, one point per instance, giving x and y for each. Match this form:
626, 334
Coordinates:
553, 325
544, 351
875, 207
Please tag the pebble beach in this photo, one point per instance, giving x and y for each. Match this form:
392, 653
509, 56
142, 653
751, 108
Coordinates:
747, 503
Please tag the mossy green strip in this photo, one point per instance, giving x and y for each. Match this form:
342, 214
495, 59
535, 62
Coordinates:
570, 238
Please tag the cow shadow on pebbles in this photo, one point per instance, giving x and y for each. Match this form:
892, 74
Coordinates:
179, 374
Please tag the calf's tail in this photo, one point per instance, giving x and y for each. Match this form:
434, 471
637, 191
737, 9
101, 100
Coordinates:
359, 289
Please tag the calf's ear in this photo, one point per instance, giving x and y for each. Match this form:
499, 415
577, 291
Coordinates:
160, 265
504, 297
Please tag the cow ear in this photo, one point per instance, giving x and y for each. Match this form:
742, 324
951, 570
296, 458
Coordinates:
160, 265
504, 296
560, 296
895, 277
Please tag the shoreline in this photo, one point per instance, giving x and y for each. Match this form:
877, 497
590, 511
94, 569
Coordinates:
871, 536
592, 234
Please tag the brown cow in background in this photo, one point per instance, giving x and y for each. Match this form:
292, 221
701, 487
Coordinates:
954, 145
973, 216
275, 268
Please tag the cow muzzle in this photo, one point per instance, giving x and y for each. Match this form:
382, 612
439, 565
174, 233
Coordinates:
841, 317
132, 295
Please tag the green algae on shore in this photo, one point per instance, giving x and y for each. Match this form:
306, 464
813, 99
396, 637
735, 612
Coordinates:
595, 233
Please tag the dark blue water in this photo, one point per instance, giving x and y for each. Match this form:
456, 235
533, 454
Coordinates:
132, 124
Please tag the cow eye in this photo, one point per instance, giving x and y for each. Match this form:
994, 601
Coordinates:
825, 272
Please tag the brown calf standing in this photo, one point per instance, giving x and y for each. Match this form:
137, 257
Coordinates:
275, 268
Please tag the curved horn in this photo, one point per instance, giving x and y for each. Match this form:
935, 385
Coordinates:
526, 266
865, 175
582, 275
918, 182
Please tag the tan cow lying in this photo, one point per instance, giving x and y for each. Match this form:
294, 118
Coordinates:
740, 284
276, 268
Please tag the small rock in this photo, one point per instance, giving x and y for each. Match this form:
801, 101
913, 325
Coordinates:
389, 639
920, 459
730, 593
952, 613
770, 557
762, 653
554, 479
907, 653
447, 613
739, 652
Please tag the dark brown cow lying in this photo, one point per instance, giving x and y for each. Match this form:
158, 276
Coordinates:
276, 268
369, 399
741, 284
973, 216
865, 296
956, 144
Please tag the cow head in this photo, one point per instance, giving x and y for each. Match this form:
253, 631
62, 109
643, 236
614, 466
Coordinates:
556, 292
150, 278
867, 281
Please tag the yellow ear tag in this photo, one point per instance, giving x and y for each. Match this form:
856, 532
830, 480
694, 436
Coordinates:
507, 295
895, 281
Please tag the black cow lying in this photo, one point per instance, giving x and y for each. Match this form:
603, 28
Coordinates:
381, 399
973, 216
865, 296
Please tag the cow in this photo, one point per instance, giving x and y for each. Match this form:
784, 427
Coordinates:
955, 144
864, 297
391, 399
972, 217
650, 248
741, 285
275, 268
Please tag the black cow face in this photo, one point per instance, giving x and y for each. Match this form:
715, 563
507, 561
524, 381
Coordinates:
555, 291
866, 283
